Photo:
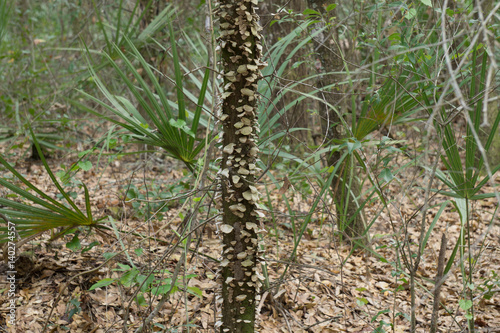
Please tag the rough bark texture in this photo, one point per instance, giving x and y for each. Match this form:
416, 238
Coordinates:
240, 57
329, 60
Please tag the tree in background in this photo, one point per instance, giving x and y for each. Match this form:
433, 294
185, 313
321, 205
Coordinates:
278, 21
241, 63
330, 63
492, 105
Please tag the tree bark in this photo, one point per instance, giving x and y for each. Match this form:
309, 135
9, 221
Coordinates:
241, 63
346, 189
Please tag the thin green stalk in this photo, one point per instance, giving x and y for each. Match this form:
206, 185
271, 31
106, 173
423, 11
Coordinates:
119, 21
469, 286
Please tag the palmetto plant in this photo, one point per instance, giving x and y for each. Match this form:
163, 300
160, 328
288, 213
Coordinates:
173, 128
390, 105
124, 22
44, 213
463, 181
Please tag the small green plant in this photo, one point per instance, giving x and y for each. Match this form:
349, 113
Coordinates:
145, 204
74, 307
381, 323
75, 245
490, 286
155, 198
362, 302
149, 284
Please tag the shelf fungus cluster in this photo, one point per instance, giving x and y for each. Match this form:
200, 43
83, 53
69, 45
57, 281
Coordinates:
240, 59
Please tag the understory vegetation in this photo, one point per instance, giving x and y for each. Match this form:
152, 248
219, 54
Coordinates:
241, 166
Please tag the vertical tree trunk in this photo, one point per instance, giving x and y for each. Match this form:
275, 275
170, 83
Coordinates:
240, 57
298, 116
345, 188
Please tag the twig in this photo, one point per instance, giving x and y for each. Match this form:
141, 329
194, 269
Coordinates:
439, 282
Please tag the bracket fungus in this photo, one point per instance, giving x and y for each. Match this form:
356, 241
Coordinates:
241, 51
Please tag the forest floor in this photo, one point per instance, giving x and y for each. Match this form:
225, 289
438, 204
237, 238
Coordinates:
326, 289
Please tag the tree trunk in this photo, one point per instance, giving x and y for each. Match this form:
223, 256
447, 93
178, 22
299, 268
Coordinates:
346, 188
240, 57
298, 115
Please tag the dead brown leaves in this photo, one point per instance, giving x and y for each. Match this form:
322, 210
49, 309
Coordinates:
326, 289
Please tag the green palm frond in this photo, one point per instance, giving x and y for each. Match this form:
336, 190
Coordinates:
37, 211
169, 127
463, 180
